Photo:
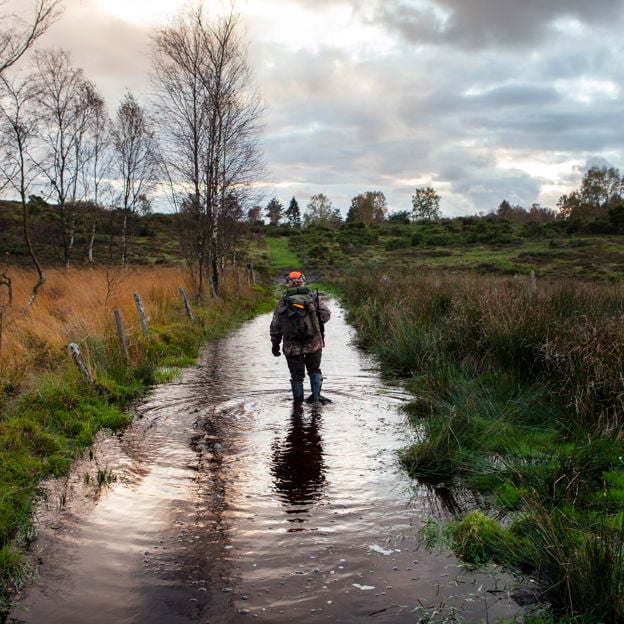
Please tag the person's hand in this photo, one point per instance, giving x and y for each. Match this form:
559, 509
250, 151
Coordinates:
275, 350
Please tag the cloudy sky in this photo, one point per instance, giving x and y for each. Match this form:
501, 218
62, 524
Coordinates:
484, 100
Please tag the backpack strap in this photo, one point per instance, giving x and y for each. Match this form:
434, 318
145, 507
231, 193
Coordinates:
301, 290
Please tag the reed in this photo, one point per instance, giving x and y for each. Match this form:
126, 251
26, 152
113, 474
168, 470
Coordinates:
75, 305
518, 393
569, 339
582, 568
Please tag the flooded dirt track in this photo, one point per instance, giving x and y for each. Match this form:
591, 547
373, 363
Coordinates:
228, 503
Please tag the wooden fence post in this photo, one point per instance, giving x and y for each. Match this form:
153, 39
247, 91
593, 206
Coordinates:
80, 363
122, 336
185, 302
84, 369
139, 305
533, 282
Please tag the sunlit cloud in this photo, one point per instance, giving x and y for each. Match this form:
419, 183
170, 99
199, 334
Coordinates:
319, 28
588, 90
140, 12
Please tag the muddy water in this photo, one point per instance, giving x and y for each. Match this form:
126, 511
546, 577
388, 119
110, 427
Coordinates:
226, 503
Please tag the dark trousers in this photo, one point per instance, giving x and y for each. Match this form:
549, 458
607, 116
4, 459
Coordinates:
298, 364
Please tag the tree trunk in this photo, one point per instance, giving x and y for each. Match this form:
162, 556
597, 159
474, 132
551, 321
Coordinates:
31, 251
92, 241
124, 228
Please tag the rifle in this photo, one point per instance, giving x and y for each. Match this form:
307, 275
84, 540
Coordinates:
318, 316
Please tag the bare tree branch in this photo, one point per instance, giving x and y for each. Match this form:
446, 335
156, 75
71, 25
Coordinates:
19, 35
68, 104
137, 158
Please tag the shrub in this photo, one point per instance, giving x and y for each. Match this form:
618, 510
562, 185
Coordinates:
397, 243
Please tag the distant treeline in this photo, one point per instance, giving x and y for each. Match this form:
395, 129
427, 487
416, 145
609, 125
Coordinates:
155, 238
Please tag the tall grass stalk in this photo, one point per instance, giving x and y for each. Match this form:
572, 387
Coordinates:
582, 569
76, 305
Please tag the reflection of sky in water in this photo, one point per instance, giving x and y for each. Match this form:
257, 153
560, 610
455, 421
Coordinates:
343, 451
320, 488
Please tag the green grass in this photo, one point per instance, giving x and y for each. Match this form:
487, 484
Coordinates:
452, 244
281, 257
517, 394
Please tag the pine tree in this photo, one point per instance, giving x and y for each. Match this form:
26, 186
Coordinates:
293, 214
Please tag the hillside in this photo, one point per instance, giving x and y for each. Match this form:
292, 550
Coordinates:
487, 246
557, 249
153, 237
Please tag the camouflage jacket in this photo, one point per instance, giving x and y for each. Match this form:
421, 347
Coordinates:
309, 345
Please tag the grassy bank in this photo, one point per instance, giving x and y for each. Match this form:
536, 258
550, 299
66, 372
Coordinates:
519, 396
49, 411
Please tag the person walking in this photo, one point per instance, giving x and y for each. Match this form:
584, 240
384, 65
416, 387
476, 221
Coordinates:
298, 322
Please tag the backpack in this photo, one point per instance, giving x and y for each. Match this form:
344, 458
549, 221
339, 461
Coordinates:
299, 319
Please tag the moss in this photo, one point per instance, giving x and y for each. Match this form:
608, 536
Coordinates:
476, 537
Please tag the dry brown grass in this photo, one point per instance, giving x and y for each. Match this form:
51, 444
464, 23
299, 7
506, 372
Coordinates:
74, 304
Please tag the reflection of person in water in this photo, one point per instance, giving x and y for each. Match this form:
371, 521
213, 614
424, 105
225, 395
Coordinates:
298, 467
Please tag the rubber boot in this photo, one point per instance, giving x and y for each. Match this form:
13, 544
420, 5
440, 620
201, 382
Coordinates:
297, 391
316, 381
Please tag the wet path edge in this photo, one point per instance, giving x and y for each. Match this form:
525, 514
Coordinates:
227, 503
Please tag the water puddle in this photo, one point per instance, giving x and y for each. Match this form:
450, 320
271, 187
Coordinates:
227, 503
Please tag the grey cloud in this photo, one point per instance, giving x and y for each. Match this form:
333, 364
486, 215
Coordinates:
341, 122
312, 4
456, 162
487, 192
554, 130
598, 162
479, 24
415, 119
517, 95
452, 171
315, 102
371, 138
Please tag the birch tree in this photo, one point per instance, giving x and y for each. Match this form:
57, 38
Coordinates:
136, 161
209, 125
98, 167
320, 211
66, 100
18, 128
